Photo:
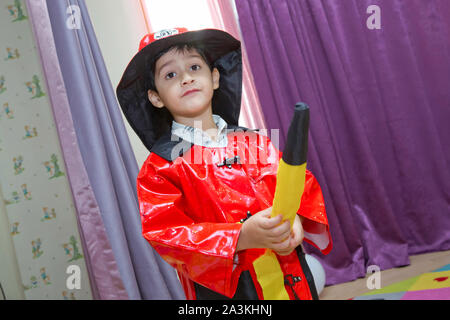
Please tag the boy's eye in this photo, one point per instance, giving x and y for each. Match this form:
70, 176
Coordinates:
195, 67
170, 75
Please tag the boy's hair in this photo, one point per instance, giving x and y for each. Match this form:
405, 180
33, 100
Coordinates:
163, 118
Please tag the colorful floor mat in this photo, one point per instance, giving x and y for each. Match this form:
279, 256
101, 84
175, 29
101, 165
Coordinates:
433, 285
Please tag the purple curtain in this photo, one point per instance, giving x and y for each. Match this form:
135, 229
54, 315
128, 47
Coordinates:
99, 158
104, 276
380, 107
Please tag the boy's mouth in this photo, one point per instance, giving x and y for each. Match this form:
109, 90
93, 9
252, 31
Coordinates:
189, 92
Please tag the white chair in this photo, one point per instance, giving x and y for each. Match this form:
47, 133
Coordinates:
318, 272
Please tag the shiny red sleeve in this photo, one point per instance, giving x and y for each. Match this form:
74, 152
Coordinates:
202, 251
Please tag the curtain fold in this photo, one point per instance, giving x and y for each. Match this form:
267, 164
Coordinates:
379, 99
98, 135
104, 277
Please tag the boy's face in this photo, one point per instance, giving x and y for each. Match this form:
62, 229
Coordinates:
185, 84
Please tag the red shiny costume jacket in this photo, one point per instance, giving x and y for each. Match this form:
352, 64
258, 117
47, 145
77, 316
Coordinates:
192, 210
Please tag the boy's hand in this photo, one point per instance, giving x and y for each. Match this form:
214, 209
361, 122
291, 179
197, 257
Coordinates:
295, 239
262, 231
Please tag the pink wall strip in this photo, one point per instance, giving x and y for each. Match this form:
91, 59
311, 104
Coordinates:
223, 17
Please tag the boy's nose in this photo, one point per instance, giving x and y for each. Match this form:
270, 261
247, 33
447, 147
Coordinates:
187, 79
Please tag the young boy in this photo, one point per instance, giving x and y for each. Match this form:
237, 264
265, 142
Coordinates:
206, 189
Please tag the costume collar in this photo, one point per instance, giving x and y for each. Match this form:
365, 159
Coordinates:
197, 136
170, 146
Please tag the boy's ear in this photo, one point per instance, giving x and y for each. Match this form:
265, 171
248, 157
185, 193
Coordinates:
155, 99
215, 78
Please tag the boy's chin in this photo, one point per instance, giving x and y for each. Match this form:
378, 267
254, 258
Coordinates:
194, 111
